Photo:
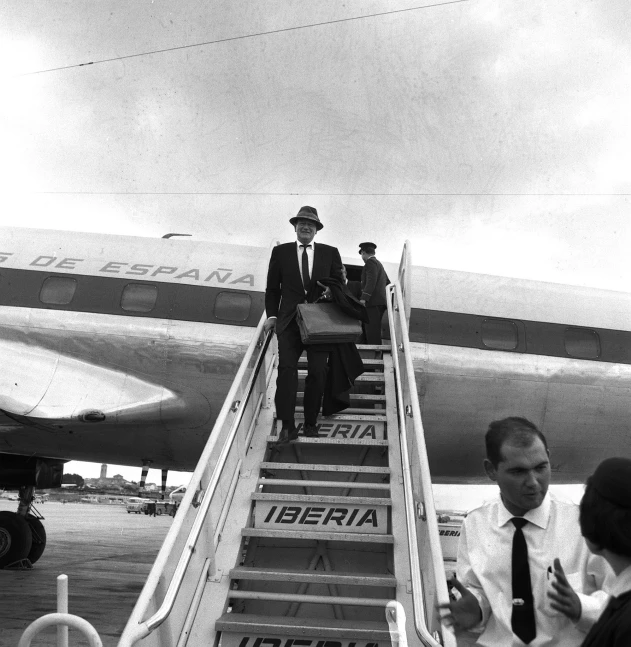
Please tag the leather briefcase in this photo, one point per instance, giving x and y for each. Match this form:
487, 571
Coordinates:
326, 323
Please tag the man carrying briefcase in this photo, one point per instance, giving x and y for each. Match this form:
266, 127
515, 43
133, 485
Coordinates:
292, 278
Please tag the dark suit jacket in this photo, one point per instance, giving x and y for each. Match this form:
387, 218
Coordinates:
613, 629
373, 283
284, 289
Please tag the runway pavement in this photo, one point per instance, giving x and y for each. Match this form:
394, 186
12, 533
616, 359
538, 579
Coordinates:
106, 554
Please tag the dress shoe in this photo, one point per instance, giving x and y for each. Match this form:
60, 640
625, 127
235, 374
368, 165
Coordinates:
288, 434
310, 431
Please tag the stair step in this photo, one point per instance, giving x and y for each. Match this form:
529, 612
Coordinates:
372, 538
322, 467
385, 347
314, 577
367, 397
368, 363
303, 440
320, 498
342, 417
364, 377
365, 415
358, 410
356, 485
250, 625
237, 594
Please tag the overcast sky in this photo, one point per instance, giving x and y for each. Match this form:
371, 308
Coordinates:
495, 135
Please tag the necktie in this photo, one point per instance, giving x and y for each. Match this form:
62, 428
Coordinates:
306, 280
523, 616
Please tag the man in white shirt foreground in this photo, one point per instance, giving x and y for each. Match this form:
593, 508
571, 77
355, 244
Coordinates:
525, 574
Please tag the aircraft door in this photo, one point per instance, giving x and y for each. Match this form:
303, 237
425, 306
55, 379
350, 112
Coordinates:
405, 279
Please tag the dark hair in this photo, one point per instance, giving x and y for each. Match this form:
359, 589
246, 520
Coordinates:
518, 431
604, 523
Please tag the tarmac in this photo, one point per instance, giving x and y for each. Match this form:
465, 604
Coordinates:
107, 555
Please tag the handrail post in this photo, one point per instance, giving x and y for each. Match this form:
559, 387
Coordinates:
62, 607
395, 615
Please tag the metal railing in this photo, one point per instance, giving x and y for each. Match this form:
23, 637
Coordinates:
408, 411
236, 404
62, 620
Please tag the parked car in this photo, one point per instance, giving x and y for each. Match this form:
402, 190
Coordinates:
135, 504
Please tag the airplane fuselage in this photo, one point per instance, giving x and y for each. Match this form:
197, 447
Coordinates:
122, 350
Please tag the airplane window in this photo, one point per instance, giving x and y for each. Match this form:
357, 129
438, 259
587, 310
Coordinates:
139, 297
499, 334
58, 290
233, 306
582, 343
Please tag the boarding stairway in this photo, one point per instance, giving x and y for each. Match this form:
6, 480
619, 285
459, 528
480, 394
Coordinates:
306, 543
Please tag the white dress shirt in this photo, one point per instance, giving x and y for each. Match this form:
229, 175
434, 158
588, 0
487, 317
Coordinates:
620, 584
484, 567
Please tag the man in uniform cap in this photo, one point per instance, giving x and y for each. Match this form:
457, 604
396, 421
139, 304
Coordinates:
292, 278
373, 292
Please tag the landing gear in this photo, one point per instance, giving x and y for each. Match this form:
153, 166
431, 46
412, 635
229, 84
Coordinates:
16, 538
39, 538
22, 533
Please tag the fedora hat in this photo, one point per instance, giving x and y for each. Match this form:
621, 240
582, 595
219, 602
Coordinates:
307, 213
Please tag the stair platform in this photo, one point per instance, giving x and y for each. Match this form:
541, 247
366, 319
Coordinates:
304, 440
318, 536
319, 577
325, 467
239, 626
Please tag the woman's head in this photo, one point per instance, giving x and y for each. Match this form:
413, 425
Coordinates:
605, 511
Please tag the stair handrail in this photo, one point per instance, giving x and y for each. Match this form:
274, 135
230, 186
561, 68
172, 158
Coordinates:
143, 629
395, 616
418, 597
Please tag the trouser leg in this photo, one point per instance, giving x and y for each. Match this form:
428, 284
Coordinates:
314, 384
372, 329
289, 351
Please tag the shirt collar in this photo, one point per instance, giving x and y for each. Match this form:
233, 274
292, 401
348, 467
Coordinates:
312, 244
621, 584
539, 516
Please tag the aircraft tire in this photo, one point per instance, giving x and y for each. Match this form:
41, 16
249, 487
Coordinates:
15, 538
39, 538
159, 512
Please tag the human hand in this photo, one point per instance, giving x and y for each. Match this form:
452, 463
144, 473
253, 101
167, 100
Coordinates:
270, 324
326, 295
563, 598
363, 301
465, 612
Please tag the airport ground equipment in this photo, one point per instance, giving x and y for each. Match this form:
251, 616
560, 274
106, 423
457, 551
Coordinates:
304, 544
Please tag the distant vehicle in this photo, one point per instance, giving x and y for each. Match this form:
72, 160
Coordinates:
135, 504
90, 499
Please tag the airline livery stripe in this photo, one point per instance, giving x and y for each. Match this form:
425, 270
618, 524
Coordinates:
103, 295
218, 301
520, 336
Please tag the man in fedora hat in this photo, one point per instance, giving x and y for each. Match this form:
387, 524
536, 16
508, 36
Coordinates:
373, 292
292, 278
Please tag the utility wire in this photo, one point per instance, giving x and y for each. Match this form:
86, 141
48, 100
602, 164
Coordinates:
233, 38
260, 193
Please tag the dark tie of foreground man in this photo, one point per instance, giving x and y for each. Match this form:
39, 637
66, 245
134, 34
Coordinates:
523, 616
